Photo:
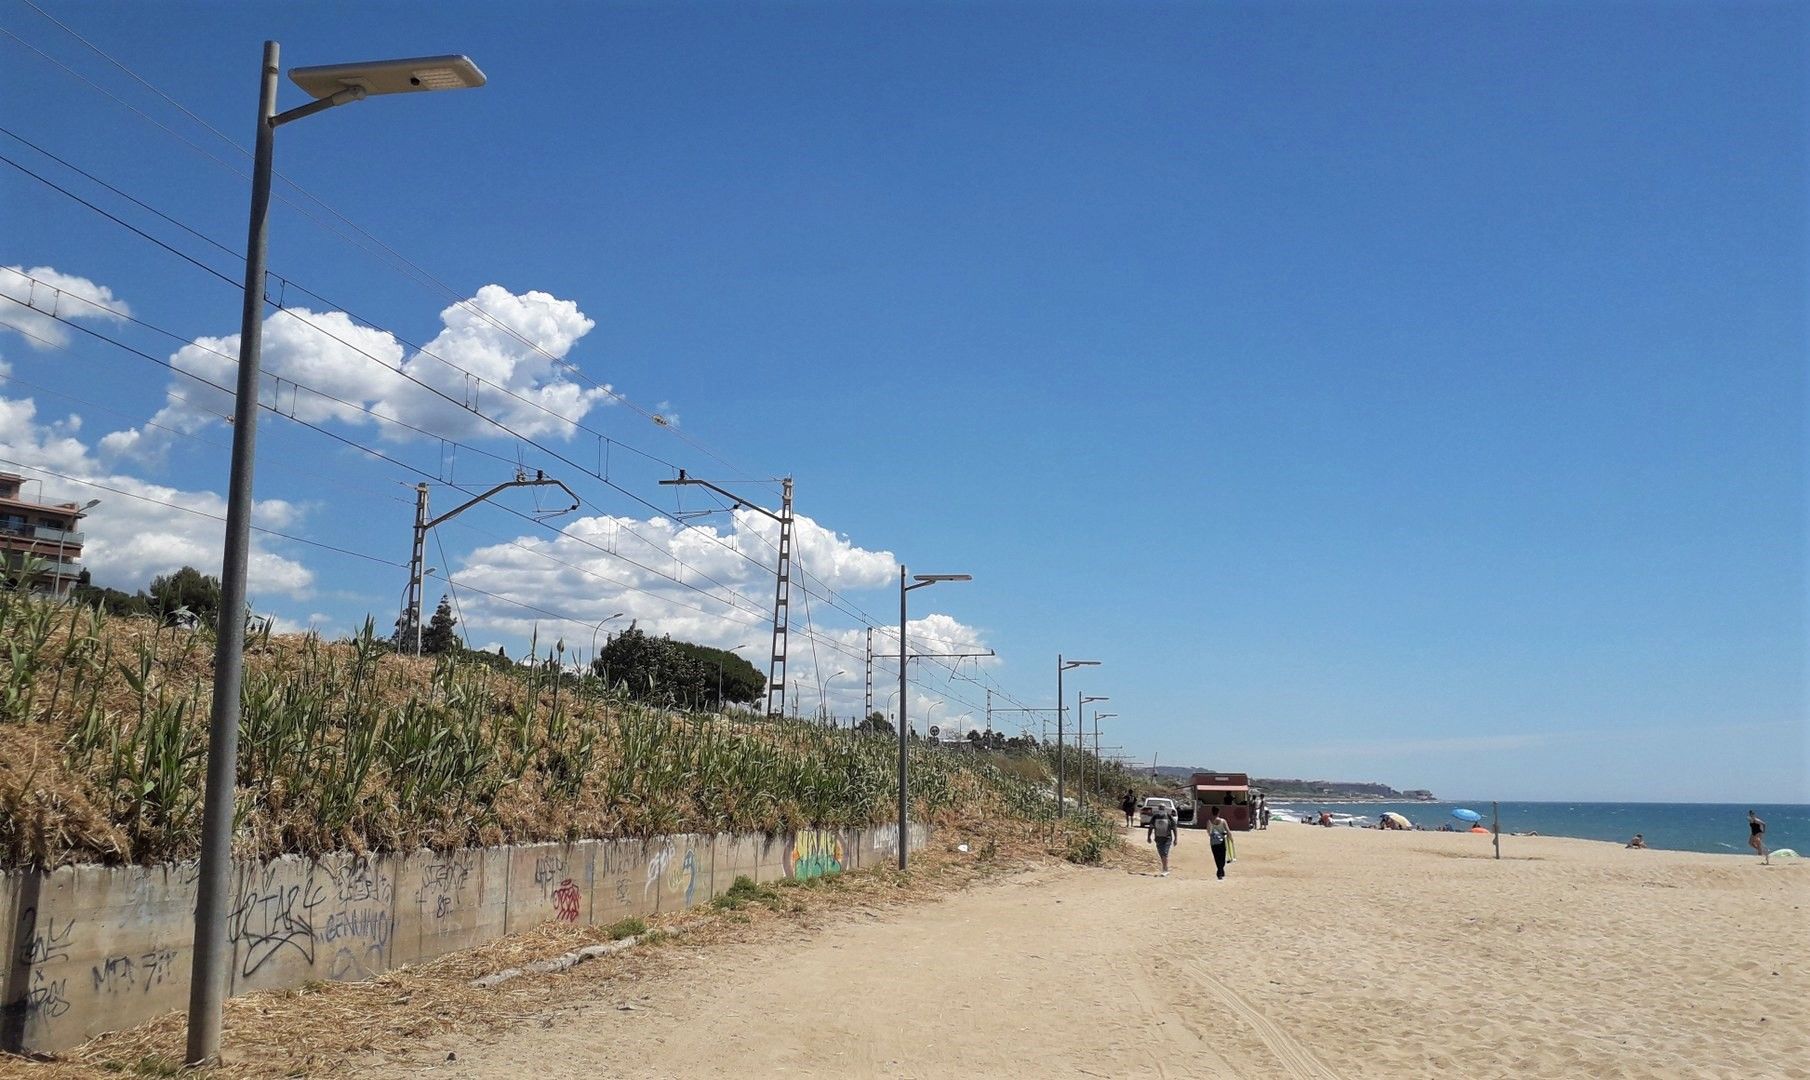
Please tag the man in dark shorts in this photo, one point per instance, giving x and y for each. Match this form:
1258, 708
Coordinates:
1161, 831
1129, 804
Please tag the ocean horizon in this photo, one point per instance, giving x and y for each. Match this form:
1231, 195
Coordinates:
1713, 828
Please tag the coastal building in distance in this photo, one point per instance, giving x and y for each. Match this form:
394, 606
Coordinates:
40, 535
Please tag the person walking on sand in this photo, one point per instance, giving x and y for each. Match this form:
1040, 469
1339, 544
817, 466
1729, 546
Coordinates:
1129, 804
1161, 831
1218, 832
1756, 837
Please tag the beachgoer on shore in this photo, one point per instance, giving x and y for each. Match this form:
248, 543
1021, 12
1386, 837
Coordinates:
1129, 804
1756, 837
1161, 831
1637, 842
1263, 816
1219, 832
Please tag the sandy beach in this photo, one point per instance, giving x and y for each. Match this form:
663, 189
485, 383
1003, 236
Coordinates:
1326, 953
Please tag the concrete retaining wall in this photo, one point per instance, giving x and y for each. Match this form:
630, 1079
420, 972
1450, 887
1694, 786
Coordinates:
90, 949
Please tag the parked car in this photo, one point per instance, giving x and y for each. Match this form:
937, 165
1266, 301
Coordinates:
1151, 803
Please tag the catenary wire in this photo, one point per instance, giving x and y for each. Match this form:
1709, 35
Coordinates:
832, 597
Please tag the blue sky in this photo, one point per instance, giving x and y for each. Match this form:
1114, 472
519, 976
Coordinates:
1409, 392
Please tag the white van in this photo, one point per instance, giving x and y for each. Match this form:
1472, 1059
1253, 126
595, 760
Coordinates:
1151, 804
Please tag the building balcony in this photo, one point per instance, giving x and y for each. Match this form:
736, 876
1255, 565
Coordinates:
45, 534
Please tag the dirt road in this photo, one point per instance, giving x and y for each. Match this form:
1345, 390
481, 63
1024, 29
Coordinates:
1062, 972
1326, 953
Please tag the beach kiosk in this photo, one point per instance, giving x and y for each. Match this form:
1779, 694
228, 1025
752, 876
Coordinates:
1230, 792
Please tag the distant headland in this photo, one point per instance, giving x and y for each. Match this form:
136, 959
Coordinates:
1321, 790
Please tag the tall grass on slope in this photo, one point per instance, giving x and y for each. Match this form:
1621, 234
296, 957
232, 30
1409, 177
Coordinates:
103, 733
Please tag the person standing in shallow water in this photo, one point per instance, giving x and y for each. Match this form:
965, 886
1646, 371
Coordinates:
1756, 837
1218, 831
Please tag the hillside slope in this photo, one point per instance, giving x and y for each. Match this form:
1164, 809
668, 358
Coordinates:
346, 746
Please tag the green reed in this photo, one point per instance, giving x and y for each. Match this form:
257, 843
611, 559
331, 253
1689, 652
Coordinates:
348, 745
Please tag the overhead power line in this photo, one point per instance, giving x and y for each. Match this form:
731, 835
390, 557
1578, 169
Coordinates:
829, 594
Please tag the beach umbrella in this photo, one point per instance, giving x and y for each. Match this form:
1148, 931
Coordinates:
1398, 820
1467, 815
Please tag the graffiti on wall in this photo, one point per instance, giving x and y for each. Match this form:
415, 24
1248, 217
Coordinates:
657, 862
684, 875
548, 871
43, 944
566, 901
126, 972
285, 914
273, 916
814, 853
612, 871
359, 925
443, 881
335, 918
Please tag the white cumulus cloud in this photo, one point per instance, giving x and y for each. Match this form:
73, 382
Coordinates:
33, 299
131, 539
497, 354
693, 584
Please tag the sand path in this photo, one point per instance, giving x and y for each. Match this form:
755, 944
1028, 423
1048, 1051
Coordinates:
1326, 953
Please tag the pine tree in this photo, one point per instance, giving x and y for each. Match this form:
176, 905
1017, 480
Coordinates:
438, 637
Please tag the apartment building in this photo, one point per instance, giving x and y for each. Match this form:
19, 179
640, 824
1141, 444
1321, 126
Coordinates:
41, 534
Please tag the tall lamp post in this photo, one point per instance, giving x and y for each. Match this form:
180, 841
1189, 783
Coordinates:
719, 674
338, 84
1099, 716
1081, 742
403, 630
62, 537
823, 709
1062, 666
919, 582
928, 713
595, 630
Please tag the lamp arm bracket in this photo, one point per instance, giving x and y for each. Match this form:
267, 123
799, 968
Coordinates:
343, 97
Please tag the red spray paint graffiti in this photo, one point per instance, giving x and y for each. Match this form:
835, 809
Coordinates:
565, 901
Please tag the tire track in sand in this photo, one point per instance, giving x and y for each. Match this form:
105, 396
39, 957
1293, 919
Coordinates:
1180, 1038
1297, 1061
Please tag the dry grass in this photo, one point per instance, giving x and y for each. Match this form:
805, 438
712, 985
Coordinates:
348, 747
325, 1027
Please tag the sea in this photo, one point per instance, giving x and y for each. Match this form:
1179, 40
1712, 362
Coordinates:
1719, 828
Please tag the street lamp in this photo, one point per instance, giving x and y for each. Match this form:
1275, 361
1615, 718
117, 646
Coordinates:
339, 84
822, 707
595, 630
1081, 743
934, 706
920, 581
402, 627
1062, 666
1098, 716
63, 535
719, 675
